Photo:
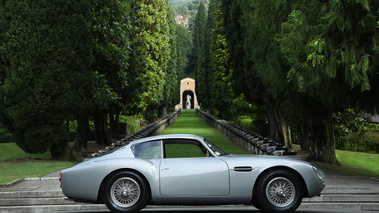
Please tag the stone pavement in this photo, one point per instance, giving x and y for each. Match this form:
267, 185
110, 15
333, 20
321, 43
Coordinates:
44, 195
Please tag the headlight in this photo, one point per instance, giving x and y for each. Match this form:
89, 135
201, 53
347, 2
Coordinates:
319, 173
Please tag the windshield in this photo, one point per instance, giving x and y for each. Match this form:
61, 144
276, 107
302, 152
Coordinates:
214, 148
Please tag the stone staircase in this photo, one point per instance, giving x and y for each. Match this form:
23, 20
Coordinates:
41, 201
344, 198
333, 197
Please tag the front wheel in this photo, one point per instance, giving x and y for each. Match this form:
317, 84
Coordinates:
126, 192
279, 191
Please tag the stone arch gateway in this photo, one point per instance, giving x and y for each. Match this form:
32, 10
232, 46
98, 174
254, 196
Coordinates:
188, 99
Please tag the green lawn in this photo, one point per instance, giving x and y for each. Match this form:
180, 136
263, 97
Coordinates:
189, 122
358, 163
353, 163
16, 164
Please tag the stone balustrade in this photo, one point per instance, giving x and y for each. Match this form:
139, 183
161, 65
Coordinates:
153, 129
251, 141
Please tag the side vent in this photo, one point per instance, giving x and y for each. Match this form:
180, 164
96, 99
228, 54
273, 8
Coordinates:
243, 169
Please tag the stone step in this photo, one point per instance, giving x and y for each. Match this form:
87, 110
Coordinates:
343, 206
53, 208
30, 194
99, 207
34, 201
58, 199
353, 198
350, 190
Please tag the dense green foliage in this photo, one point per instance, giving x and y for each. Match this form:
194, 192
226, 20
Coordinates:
199, 45
220, 68
184, 47
153, 65
46, 57
300, 61
354, 133
111, 49
83, 60
271, 66
5, 135
330, 50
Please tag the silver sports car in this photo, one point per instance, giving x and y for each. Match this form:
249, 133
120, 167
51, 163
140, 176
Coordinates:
189, 170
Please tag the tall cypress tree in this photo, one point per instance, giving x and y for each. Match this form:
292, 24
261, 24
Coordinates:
171, 87
200, 34
184, 46
152, 57
332, 51
220, 82
210, 26
111, 44
264, 70
47, 53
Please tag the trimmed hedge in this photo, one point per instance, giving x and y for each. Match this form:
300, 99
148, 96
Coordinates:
367, 141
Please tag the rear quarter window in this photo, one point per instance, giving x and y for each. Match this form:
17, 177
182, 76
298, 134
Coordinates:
148, 150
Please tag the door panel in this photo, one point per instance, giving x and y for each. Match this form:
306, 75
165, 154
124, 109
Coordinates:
194, 177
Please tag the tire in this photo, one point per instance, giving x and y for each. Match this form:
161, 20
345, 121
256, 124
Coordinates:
279, 191
126, 192
256, 204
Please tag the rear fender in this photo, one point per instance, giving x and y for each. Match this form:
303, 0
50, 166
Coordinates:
75, 186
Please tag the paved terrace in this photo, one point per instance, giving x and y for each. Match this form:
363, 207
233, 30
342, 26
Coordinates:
31, 195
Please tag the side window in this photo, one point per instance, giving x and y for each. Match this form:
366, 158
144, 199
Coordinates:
183, 150
148, 150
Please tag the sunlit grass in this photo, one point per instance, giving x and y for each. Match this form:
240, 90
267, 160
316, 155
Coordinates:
10, 151
16, 164
11, 171
353, 163
359, 163
189, 122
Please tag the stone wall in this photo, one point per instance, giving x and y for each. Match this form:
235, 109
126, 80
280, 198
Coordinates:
251, 141
153, 129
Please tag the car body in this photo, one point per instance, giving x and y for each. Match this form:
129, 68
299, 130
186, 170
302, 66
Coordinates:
189, 170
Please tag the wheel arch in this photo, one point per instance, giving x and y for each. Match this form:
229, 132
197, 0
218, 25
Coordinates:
276, 168
103, 182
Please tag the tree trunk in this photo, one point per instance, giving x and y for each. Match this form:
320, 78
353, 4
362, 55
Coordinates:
322, 135
278, 130
102, 136
114, 120
81, 132
61, 149
303, 134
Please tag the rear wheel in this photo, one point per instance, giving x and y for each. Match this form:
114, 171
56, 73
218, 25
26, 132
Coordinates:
279, 191
126, 192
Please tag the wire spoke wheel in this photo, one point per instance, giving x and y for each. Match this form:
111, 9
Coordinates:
280, 192
125, 192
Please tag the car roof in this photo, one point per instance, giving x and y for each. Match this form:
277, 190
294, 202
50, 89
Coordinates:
168, 136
